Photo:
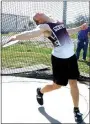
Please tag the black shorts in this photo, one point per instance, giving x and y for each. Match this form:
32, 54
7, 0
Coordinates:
64, 69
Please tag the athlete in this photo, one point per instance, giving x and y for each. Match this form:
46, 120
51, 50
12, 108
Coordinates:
63, 58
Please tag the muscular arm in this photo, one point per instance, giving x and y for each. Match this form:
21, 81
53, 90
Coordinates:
27, 35
77, 29
73, 30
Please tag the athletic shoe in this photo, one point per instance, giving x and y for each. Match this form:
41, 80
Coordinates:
83, 60
39, 96
78, 117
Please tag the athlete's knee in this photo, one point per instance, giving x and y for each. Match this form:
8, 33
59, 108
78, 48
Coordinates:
56, 86
73, 83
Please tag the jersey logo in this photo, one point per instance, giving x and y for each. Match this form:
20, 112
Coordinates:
56, 43
58, 27
55, 40
53, 37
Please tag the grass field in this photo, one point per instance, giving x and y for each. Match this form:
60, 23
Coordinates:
28, 53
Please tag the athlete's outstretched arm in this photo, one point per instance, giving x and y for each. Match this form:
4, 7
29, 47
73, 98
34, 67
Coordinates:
77, 29
27, 35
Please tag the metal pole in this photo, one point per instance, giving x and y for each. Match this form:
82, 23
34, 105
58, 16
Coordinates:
64, 12
89, 42
89, 13
16, 24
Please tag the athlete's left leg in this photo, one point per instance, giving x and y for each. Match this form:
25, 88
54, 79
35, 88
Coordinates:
75, 97
74, 92
73, 76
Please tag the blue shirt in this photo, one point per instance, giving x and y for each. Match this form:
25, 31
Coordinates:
83, 34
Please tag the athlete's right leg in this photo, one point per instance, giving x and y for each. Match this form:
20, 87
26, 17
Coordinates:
46, 89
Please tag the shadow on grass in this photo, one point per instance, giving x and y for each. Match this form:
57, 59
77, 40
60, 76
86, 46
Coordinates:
88, 63
50, 119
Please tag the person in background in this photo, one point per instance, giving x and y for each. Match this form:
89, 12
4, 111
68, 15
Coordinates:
82, 43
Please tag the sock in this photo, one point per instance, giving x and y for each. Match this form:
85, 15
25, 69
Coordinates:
76, 109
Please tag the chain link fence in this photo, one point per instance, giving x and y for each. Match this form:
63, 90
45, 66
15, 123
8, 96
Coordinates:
32, 58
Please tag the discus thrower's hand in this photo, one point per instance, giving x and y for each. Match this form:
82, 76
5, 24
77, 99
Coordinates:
13, 38
84, 26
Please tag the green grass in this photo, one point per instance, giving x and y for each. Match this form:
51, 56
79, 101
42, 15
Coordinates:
28, 53
74, 36
83, 66
9, 34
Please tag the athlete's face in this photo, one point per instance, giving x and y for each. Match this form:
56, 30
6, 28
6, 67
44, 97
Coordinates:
37, 22
39, 18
